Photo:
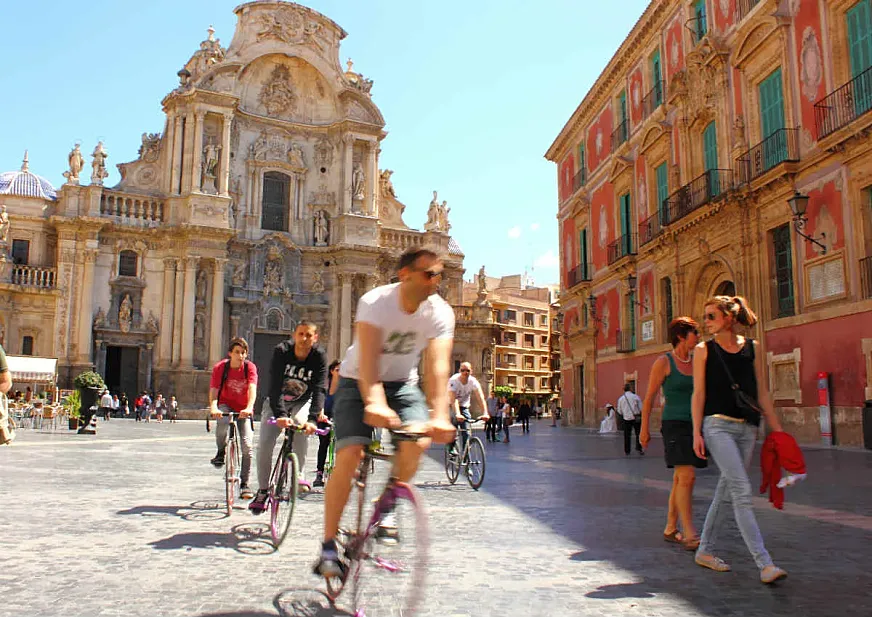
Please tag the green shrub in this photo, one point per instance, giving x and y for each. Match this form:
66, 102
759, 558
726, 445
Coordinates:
74, 402
503, 391
89, 379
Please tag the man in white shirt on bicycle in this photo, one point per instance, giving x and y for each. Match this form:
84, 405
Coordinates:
378, 384
461, 387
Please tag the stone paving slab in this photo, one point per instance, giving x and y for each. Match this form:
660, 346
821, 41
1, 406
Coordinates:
130, 523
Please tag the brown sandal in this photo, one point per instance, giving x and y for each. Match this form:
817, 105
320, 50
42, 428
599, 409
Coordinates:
690, 544
674, 537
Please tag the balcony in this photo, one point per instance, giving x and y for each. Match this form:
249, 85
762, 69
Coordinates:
133, 209
866, 277
653, 100
626, 341
579, 179
34, 276
579, 274
743, 7
620, 134
843, 106
623, 246
700, 191
698, 28
780, 147
649, 229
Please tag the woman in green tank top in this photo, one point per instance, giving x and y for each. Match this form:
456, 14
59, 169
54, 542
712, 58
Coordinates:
673, 372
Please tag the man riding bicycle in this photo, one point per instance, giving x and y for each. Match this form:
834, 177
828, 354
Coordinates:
460, 388
378, 384
298, 381
233, 388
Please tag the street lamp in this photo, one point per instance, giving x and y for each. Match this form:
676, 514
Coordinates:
798, 204
591, 302
631, 284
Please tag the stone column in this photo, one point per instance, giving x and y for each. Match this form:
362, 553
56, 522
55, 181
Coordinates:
169, 140
148, 352
86, 306
371, 177
100, 360
334, 316
198, 151
187, 152
176, 157
216, 343
165, 346
234, 326
345, 280
348, 166
371, 281
224, 165
178, 305
187, 352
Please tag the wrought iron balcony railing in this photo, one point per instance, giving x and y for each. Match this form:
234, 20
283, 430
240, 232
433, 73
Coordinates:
620, 134
698, 28
780, 147
653, 99
579, 274
626, 341
844, 105
649, 229
866, 277
743, 7
624, 245
700, 191
579, 179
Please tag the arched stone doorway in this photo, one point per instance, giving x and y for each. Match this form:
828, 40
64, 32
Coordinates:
714, 279
725, 288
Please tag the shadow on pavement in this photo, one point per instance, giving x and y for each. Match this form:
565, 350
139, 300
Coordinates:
622, 590
444, 486
303, 602
246, 538
197, 511
239, 614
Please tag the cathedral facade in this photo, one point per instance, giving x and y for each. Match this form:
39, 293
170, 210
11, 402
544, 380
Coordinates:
260, 204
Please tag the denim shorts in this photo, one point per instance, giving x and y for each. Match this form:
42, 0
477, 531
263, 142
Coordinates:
405, 398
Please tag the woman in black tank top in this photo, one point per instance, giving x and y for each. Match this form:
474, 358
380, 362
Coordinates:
723, 431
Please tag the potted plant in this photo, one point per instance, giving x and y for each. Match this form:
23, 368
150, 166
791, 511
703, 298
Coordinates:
74, 404
89, 386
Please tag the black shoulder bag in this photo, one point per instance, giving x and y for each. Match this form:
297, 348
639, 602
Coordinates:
747, 405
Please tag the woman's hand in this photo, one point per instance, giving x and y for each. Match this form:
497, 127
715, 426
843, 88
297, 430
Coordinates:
699, 446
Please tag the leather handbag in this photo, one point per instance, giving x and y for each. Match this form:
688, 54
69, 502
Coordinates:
748, 406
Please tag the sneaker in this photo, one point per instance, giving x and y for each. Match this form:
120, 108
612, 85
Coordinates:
713, 563
319, 480
387, 531
771, 573
258, 504
245, 492
303, 487
218, 461
328, 564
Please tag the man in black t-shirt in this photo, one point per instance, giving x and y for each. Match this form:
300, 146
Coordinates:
298, 382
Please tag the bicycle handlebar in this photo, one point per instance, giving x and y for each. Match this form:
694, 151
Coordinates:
321, 432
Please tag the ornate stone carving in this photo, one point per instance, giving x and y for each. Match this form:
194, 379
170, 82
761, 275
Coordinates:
290, 28
125, 314
149, 151
273, 277
239, 272
4, 228
201, 288
322, 231
323, 197
151, 324
739, 133
358, 183
386, 187
277, 94
317, 282
357, 80
324, 152
98, 165
810, 65
437, 215
76, 162
296, 157
99, 318
199, 331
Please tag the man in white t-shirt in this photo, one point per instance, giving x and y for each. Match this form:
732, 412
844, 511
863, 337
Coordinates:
378, 384
461, 387
630, 409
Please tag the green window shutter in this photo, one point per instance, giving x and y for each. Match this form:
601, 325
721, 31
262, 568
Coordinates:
582, 161
860, 50
783, 271
662, 190
710, 149
774, 148
656, 77
699, 14
623, 103
626, 222
582, 247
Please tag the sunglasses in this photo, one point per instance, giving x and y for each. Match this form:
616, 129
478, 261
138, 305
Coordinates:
431, 274
464, 370
710, 317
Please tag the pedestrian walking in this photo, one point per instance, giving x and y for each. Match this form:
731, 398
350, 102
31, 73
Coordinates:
524, 412
124, 404
674, 373
106, 405
173, 408
630, 409
730, 395
506, 413
490, 427
160, 407
116, 404
146, 407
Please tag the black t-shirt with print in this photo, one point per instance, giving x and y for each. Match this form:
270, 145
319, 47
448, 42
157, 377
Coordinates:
294, 381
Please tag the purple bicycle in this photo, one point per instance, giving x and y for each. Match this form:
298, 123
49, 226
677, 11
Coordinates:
393, 540
284, 485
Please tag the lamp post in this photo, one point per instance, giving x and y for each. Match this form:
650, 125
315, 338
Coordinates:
798, 204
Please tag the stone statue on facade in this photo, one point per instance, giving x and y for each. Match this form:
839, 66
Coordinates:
99, 318
444, 225
437, 215
482, 281
4, 225
98, 165
125, 314
358, 183
201, 287
295, 156
76, 162
387, 187
272, 272
239, 270
317, 283
210, 166
151, 323
199, 330
322, 231
739, 133
149, 151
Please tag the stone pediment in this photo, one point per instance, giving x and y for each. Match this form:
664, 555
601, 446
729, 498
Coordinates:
360, 108
144, 173
278, 238
619, 166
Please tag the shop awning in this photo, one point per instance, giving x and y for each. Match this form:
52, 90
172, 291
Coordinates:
30, 369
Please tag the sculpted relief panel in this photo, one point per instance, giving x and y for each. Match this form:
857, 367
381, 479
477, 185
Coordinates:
289, 89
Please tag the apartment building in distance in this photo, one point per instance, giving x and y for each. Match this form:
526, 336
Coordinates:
724, 149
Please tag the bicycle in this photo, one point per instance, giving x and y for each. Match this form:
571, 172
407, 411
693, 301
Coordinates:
232, 460
365, 554
472, 460
284, 485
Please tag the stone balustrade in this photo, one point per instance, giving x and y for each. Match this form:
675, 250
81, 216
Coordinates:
34, 276
133, 209
401, 240
463, 314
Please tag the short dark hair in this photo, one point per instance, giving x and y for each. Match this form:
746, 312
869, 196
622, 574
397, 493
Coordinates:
238, 341
627, 387
410, 256
306, 323
680, 327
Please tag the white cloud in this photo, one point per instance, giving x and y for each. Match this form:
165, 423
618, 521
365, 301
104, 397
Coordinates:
534, 227
515, 232
548, 260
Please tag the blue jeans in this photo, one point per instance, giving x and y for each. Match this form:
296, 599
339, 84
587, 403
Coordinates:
731, 445
463, 427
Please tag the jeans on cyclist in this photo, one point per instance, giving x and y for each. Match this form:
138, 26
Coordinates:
269, 434
246, 440
463, 426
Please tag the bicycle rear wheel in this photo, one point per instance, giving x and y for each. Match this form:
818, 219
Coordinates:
391, 575
283, 497
452, 464
476, 462
230, 479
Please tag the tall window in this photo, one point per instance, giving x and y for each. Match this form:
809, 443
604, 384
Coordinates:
667, 302
582, 164
772, 120
127, 263
710, 152
662, 173
276, 201
657, 78
20, 252
27, 346
626, 224
783, 271
700, 25
625, 126
582, 252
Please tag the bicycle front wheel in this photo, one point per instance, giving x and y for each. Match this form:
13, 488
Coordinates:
452, 464
475, 463
283, 498
230, 479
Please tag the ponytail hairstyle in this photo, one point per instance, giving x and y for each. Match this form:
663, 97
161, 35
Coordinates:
736, 306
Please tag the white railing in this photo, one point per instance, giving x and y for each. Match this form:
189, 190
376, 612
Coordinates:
135, 209
34, 276
402, 240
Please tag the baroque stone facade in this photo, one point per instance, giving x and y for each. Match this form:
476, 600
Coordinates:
260, 204
674, 179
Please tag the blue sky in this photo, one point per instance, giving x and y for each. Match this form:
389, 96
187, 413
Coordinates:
473, 93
